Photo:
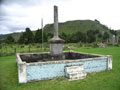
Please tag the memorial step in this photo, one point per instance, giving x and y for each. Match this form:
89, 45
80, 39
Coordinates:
78, 75
74, 69
75, 72
71, 69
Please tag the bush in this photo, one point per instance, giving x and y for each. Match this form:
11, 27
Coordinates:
22, 46
95, 45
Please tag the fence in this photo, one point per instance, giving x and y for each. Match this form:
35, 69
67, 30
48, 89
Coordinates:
11, 50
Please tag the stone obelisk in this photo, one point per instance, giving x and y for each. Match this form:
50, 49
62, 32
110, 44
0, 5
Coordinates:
56, 44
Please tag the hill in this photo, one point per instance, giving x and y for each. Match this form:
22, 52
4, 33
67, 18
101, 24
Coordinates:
14, 35
118, 31
70, 27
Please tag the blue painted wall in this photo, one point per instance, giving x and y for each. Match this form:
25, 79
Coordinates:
49, 71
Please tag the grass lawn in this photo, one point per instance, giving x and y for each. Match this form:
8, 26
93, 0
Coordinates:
107, 80
10, 49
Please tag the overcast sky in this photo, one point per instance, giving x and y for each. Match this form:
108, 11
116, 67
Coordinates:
16, 15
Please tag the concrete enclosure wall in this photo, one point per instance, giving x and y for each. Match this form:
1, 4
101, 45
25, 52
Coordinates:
35, 71
49, 71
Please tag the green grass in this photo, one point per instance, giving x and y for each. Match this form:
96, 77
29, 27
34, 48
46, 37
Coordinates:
10, 49
70, 27
107, 80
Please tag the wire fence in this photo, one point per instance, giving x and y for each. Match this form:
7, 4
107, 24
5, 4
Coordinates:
13, 49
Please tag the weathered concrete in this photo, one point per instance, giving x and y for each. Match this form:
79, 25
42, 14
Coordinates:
56, 49
34, 71
75, 72
55, 21
56, 44
22, 74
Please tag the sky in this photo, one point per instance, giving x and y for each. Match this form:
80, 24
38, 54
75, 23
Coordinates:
16, 15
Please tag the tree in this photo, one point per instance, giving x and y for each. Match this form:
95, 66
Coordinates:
97, 21
22, 39
38, 36
96, 31
80, 36
75, 37
106, 36
45, 37
68, 38
113, 32
84, 38
9, 39
91, 36
100, 35
27, 37
105, 27
63, 36
50, 35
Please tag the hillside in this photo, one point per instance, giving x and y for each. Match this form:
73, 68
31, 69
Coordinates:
14, 35
70, 27
118, 31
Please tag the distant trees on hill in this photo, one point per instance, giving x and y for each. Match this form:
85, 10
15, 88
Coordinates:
38, 36
113, 32
106, 36
9, 39
89, 37
27, 37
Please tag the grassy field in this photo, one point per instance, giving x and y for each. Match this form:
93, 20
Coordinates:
107, 80
12, 48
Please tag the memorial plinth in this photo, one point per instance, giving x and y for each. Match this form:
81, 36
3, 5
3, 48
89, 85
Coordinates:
56, 44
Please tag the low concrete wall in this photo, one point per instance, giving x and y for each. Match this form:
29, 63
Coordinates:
22, 73
52, 69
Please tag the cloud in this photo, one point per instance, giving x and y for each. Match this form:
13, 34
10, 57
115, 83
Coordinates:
16, 15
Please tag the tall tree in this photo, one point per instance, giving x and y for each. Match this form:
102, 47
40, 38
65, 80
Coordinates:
106, 36
38, 36
22, 39
27, 37
9, 39
113, 32
91, 36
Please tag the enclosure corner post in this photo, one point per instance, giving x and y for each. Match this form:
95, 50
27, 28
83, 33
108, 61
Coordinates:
22, 76
109, 62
